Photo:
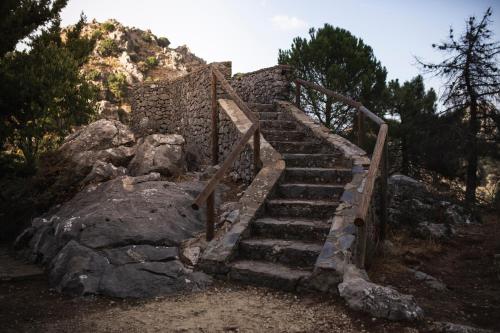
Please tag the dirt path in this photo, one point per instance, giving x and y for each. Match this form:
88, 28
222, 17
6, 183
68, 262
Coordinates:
31, 307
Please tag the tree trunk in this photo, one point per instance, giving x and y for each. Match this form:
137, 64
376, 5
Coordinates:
328, 112
472, 157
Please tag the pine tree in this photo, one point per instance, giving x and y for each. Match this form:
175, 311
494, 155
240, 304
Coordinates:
472, 87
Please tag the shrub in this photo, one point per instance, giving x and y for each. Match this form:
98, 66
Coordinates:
97, 34
108, 26
93, 75
163, 42
117, 84
107, 47
147, 37
151, 61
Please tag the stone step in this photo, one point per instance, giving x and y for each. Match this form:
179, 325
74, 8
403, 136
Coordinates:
312, 160
292, 253
318, 175
277, 135
270, 115
278, 124
259, 107
310, 191
305, 147
291, 228
272, 275
301, 208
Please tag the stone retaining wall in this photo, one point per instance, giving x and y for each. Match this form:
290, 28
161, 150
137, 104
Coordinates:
183, 106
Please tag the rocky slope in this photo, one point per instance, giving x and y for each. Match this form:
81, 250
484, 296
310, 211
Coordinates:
124, 56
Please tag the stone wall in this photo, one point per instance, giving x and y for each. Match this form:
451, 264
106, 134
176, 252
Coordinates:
183, 106
264, 85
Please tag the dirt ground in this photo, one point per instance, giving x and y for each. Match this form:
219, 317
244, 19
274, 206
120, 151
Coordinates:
32, 307
464, 264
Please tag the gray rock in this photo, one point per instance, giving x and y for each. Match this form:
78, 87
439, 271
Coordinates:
381, 302
119, 238
159, 153
104, 140
431, 281
141, 253
434, 230
150, 279
103, 171
445, 327
76, 269
191, 255
416, 208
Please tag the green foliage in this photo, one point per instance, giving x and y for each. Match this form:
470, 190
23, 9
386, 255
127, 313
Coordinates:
43, 94
163, 42
108, 26
151, 61
18, 19
335, 59
117, 85
93, 75
147, 37
97, 34
107, 48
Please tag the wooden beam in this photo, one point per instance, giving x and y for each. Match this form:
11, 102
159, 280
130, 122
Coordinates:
364, 205
342, 98
234, 96
235, 152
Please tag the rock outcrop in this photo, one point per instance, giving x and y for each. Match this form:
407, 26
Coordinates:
119, 238
412, 206
104, 140
159, 153
124, 56
382, 302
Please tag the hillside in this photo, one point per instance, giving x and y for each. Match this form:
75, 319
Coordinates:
125, 55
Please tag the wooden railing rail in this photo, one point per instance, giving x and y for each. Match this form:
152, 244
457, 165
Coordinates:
378, 163
207, 195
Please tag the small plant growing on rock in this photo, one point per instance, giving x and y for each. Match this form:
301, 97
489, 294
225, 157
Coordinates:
107, 47
108, 26
93, 75
151, 61
163, 42
117, 84
97, 34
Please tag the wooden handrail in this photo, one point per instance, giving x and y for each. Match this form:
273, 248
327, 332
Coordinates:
339, 97
378, 161
207, 194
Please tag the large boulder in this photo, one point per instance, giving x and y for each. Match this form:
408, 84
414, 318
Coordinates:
163, 153
119, 238
103, 140
379, 301
413, 206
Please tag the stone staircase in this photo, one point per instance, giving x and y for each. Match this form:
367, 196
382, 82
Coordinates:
285, 240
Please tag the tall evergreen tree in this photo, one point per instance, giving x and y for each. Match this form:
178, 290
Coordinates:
415, 108
337, 60
472, 88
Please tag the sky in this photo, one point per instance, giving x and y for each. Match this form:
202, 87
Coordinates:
250, 33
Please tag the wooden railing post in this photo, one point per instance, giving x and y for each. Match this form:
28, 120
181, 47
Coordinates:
383, 190
297, 94
210, 217
256, 151
361, 128
215, 121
